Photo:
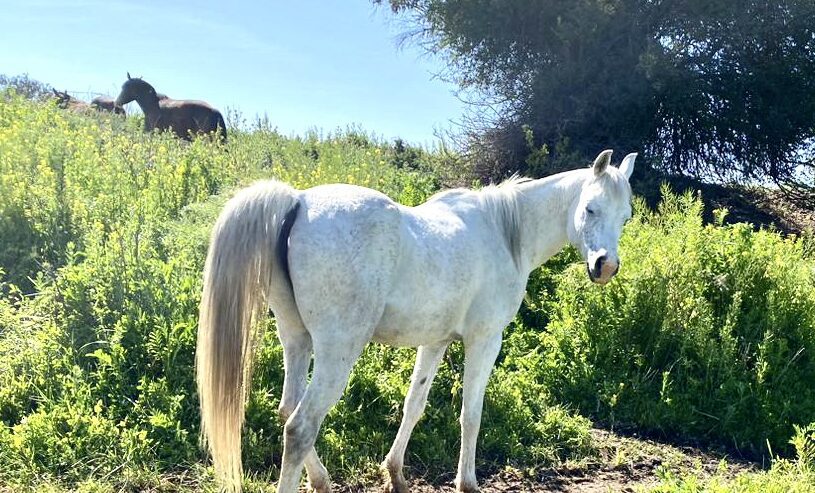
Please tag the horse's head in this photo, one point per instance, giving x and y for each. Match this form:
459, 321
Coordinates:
134, 88
597, 215
63, 98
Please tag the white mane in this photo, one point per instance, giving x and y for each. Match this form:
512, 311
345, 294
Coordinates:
501, 202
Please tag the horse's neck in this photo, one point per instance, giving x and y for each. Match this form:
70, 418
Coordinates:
545, 207
148, 104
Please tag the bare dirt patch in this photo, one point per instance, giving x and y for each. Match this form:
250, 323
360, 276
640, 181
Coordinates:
624, 464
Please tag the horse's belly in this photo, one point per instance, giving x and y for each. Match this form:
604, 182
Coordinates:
420, 321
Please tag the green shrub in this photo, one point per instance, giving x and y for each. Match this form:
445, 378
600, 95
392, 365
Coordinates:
705, 329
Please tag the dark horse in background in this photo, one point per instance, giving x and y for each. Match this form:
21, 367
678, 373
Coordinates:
68, 102
105, 103
184, 117
99, 103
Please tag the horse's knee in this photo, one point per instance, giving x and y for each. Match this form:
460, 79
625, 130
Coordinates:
470, 417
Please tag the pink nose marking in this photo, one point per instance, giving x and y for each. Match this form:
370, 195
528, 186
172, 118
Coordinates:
609, 269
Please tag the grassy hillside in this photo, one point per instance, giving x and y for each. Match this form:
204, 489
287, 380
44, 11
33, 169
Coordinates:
708, 333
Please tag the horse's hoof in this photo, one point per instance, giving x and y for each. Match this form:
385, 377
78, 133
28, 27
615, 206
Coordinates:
322, 487
392, 486
467, 487
394, 481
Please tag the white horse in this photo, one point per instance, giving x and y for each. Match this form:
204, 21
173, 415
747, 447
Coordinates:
342, 265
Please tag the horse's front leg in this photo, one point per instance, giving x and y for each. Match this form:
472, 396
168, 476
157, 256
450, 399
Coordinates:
427, 363
479, 358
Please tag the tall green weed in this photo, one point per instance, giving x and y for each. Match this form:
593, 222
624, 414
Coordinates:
707, 332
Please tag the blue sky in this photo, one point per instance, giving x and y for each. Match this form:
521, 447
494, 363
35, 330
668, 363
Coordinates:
306, 64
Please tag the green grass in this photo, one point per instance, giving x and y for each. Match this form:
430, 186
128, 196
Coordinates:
784, 476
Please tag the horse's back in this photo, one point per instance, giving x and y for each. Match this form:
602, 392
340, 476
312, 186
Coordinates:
184, 103
107, 104
191, 108
343, 248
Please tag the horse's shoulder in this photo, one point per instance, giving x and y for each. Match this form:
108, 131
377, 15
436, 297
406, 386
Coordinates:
153, 120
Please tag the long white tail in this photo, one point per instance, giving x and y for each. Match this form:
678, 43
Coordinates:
241, 265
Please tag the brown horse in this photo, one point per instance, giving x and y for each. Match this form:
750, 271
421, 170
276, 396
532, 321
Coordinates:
104, 103
184, 117
68, 102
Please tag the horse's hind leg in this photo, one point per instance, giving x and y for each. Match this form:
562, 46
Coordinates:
427, 363
333, 360
296, 343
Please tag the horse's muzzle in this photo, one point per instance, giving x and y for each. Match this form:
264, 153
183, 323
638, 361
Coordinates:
603, 270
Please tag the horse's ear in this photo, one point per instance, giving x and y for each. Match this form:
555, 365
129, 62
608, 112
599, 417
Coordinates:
601, 162
627, 166
56, 93
128, 76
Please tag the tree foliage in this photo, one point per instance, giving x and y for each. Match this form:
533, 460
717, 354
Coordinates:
26, 86
709, 88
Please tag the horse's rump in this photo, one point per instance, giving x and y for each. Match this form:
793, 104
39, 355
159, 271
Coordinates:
191, 116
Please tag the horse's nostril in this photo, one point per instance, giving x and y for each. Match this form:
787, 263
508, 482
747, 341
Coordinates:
598, 264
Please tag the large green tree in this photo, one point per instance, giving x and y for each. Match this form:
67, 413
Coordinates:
704, 87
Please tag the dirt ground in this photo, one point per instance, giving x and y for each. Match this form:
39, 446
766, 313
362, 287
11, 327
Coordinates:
625, 464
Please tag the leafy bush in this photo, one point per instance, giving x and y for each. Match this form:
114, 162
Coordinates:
26, 86
706, 328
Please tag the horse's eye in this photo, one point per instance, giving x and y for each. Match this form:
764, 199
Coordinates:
589, 210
